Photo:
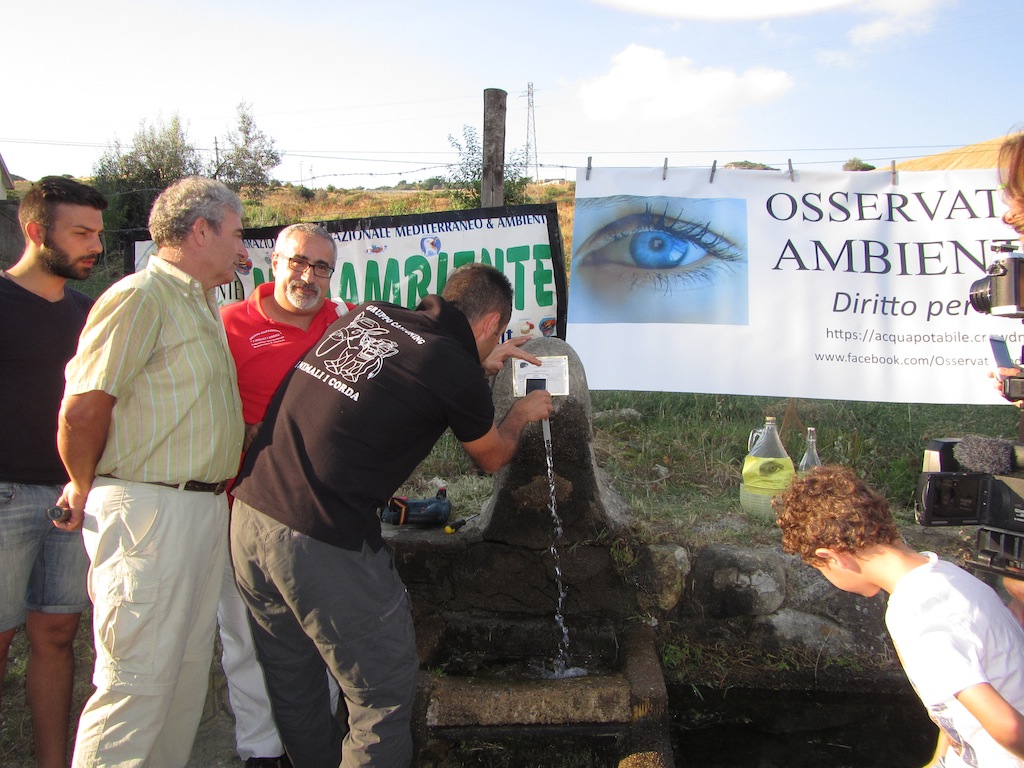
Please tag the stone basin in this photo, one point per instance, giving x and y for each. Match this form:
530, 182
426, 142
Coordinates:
489, 676
620, 706
476, 702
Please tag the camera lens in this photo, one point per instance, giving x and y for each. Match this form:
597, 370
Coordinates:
981, 295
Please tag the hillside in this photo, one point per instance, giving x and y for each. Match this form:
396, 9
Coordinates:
286, 205
981, 155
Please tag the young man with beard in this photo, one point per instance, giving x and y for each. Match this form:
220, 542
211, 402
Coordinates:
268, 333
42, 580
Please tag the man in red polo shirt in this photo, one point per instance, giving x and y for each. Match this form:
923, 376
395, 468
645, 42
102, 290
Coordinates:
268, 333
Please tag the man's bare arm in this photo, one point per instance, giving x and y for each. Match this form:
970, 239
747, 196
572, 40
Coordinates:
494, 450
82, 428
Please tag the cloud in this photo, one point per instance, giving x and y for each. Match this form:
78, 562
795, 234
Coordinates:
829, 57
891, 19
896, 19
728, 10
647, 86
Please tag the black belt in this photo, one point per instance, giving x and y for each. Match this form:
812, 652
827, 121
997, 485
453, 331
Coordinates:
189, 485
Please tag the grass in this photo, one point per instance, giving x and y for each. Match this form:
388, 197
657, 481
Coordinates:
16, 750
681, 458
719, 664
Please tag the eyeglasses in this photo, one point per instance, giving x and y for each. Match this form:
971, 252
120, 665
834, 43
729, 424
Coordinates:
301, 265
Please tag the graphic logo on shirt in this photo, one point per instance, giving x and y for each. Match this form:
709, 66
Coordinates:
356, 351
942, 717
266, 338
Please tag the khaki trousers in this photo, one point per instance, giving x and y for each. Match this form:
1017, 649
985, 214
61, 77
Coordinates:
157, 560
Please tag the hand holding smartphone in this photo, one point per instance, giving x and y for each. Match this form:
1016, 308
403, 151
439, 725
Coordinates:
1001, 353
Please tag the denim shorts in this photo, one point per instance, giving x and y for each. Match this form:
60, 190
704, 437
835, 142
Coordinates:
44, 569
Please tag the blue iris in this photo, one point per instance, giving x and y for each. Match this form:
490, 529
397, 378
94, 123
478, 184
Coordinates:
660, 250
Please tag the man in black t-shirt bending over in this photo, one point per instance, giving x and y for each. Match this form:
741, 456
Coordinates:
353, 420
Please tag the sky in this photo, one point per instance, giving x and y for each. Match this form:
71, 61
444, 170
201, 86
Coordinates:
371, 93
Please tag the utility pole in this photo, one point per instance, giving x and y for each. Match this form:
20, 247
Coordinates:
492, 182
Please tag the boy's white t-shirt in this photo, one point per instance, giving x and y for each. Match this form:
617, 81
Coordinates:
952, 631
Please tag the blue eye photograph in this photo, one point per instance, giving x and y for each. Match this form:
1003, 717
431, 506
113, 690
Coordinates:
639, 259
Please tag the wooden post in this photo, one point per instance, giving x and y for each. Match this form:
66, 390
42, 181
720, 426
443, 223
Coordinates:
492, 182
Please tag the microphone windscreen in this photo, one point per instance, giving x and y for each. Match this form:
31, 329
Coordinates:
989, 455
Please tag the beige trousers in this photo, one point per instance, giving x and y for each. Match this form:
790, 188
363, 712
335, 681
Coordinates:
157, 559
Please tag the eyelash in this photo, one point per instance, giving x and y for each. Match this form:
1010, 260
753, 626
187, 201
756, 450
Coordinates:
684, 275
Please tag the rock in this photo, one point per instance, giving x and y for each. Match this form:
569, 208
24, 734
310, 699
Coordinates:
518, 513
661, 575
863, 618
787, 628
730, 581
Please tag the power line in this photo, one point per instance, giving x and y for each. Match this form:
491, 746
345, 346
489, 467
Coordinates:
741, 151
56, 143
402, 157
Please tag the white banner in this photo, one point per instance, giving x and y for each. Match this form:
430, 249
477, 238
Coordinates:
823, 285
401, 259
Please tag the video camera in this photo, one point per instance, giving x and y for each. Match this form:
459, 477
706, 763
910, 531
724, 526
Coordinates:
1001, 291
968, 481
977, 480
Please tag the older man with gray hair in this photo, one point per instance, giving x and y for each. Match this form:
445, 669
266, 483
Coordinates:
150, 430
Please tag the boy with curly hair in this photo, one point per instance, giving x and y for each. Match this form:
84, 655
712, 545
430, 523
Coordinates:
961, 648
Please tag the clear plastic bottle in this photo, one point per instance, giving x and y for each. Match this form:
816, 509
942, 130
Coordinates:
767, 469
810, 459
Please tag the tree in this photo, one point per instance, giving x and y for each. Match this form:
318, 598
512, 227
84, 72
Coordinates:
856, 164
132, 177
749, 165
464, 178
250, 157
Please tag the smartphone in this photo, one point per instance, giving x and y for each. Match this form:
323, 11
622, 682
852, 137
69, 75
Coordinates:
1001, 352
537, 382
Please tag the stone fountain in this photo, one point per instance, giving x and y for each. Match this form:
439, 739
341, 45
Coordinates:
484, 601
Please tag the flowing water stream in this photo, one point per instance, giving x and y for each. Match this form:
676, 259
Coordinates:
560, 665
